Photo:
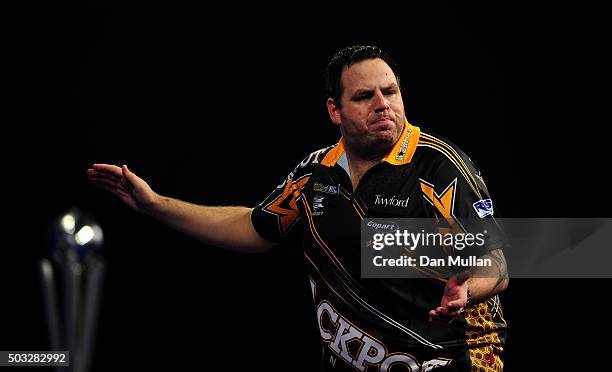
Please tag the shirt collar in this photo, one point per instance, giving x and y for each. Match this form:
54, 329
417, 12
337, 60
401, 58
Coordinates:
401, 153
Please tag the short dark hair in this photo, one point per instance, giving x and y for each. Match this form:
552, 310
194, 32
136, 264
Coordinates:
349, 56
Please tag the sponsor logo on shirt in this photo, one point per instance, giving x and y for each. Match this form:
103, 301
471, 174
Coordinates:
329, 189
338, 332
390, 202
380, 226
401, 154
383, 225
284, 205
317, 205
484, 208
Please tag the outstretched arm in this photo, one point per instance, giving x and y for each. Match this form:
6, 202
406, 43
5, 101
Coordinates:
225, 227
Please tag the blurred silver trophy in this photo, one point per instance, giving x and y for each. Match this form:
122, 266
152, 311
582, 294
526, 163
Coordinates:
77, 266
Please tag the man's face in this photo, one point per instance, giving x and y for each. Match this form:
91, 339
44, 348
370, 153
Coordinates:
372, 115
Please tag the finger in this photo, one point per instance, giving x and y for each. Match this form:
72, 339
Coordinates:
108, 168
442, 316
453, 314
452, 311
456, 305
444, 312
434, 318
435, 314
100, 176
93, 172
127, 173
110, 181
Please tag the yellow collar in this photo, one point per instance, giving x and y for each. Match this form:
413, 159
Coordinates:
400, 154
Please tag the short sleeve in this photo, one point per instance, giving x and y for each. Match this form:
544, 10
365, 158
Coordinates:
460, 197
279, 213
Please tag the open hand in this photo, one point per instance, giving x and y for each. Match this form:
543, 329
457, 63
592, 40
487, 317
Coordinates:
127, 186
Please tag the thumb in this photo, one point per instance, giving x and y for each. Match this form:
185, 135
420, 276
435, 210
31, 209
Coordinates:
131, 177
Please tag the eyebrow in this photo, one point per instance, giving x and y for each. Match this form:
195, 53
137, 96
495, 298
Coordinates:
362, 91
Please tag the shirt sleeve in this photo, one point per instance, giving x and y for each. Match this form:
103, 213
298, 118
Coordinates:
461, 201
280, 212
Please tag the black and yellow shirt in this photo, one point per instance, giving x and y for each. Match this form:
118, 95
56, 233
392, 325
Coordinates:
379, 324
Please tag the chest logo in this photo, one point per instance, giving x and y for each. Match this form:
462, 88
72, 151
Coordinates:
390, 202
317, 205
328, 189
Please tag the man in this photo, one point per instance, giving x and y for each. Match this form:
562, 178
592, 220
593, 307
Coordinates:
382, 167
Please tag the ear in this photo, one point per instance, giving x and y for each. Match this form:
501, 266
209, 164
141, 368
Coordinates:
333, 111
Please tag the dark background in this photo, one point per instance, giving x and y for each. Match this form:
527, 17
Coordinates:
216, 103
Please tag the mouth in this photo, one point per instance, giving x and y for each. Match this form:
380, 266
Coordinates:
384, 121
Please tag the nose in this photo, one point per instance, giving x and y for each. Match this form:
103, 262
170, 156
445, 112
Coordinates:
380, 101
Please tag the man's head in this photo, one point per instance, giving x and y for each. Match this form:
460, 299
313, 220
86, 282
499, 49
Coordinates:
365, 99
